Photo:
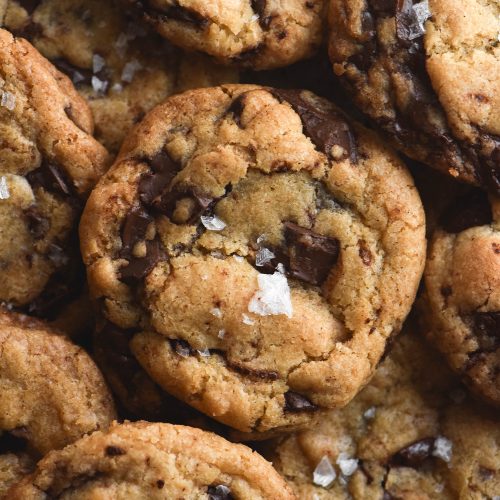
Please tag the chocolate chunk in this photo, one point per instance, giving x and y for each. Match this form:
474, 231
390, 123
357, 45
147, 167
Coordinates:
134, 230
295, 402
160, 484
14, 441
407, 24
364, 253
236, 108
326, 129
152, 185
219, 492
414, 454
178, 13
467, 211
51, 178
250, 372
259, 7
114, 451
487, 330
383, 6
139, 267
181, 347
79, 76
311, 255
37, 223
247, 55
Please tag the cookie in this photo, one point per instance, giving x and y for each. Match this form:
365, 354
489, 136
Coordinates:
119, 66
255, 250
51, 394
48, 163
258, 34
411, 433
144, 460
428, 73
462, 280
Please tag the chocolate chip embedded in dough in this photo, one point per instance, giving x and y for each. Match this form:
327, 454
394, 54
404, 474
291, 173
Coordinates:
114, 451
134, 230
407, 25
139, 267
295, 402
51, 178
181, 347
414, 454
219, 492
487, 330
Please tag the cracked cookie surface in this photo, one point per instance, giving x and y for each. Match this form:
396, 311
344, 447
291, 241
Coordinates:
158, 461
253, 33
48, 163
257, 250
428, 73
51, 394
120, 67
462, 281
411, 433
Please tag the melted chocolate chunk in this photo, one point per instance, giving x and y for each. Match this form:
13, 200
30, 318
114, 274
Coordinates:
326, 129
134, 230
219, 492
37, 223
178, 13
160, 484
487, 330
168, 201
236, 108
311, 255
181, 347
259, 7
248, 54
79, 76
414, 454
51, 178
139, 267
467, 211
114, 451
295, 402
258, 374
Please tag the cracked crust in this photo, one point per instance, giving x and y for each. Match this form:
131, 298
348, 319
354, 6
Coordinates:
412, 399
48, 163
462, 280
51, 393
260, 34
245, 155
436, 94
144, 460
134, 69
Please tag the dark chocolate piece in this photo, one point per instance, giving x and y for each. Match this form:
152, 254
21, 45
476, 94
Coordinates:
295, 402
414, 454
247, 55
364, 253
139, 267
250, 372
160, 484
51, 178
114, 451
407, 25
177, 13
134, 230
219, 492
79, 76
311, 255
487, 330
467, 211
181, 347
236, 108
325, 128
37, 223
14, 441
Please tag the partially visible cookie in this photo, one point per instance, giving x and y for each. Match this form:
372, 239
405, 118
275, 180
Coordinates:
254, 250
51, 394
121, 67
428, 73
158, 461
48, 163
259, 34
412, 433
462, 281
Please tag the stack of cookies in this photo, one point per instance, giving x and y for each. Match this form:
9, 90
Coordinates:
250, 249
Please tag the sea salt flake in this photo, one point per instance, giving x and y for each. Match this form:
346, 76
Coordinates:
117, 87
8, 100
346, 464
247, 320
264, 255
254, 18
98, 63
443, 448
261, 238
130, 69
221, 334
272, 297
423, 13
99, 85
370, 413
280, 268
324, 473
212, 222
221, 491
216, 312
4, 189
238, 258
204, 352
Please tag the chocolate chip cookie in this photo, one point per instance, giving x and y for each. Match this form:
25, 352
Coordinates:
258, 34
255, 249
462, 281
428, 73
411, 433
51, 394
48, 163
122, 68
144, 460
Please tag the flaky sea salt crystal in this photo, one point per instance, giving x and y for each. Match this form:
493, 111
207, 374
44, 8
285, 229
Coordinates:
221, 334
216, 312
212, 222
272, 297
98, 63
99, 85
423, 13
8, 100
204, 352
347, 465
4, 188
221, 491
443, 448
130, 69
280, 268
260, 239
324, 473
117, 87
316, 496
238, 258
370, 413
254, 18
247, 320
263, 256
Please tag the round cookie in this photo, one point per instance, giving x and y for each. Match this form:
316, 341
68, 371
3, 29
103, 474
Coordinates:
256, 250
51, 394
428, 73
411, 433
462, 281
118, 66
48, 163
144, 460
259, 34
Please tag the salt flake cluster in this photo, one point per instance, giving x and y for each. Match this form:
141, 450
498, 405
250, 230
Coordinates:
423, 13
324, 474
443, 448
272, 297
212, 222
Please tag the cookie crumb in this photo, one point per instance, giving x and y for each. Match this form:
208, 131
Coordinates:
4, 188
212, 222
324, 473
272, 297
